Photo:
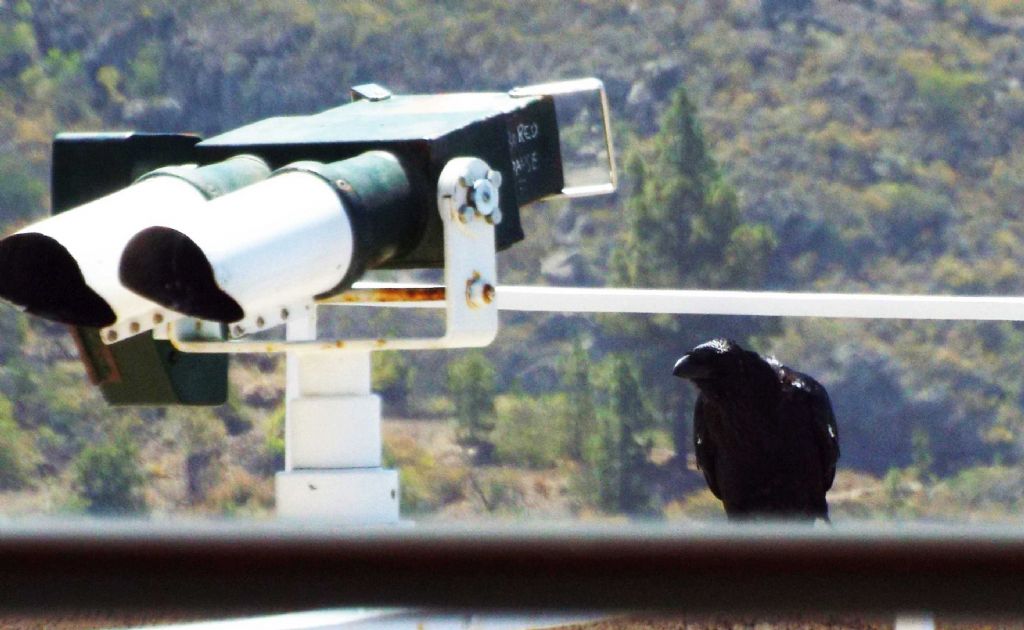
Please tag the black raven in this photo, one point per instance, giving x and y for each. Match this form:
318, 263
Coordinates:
764, 435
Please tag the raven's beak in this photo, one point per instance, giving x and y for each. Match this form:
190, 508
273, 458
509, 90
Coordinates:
691, 367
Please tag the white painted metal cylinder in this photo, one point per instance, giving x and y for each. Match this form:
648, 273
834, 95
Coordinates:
275, 243
89, 239
250, 257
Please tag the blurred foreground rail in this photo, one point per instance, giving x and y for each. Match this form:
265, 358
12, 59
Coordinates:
237, 567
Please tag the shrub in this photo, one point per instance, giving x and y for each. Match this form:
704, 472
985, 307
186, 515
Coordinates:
530, 432
946, 93
426, 484
242, 494
18, 455
109, 478
471, 383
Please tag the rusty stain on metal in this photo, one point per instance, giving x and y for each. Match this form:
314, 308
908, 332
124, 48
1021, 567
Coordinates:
390, 294
489, 293
381, 342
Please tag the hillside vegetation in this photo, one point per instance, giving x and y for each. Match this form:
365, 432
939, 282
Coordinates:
856, 146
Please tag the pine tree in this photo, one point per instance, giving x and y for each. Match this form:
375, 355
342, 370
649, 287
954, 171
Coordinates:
625, 472
684, 229
576, 383
471, 383
683, 217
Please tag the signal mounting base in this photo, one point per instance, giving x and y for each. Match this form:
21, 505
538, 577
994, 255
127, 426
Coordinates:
333, 468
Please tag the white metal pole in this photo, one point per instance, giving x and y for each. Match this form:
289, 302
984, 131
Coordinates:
921, 621
766, 303
770, 303
333, 438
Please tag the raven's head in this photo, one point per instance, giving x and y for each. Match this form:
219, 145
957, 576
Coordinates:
722, 368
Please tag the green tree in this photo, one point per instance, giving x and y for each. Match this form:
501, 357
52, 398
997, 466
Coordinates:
581, 414
683, 216
529, 431
21, 191
471, 384
394, 376
18, 455
684, 228
626, 480
109, 477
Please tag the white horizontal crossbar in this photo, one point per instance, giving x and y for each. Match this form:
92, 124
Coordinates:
769, 303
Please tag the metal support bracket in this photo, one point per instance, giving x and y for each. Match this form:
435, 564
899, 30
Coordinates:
580, 86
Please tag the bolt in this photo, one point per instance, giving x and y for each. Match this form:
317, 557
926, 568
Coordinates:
260, 322
237, 331
284, 313
158, 319
111, 336
478, 292
484, 197
134, 327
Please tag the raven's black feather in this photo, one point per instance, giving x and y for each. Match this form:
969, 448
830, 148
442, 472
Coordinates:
765, 436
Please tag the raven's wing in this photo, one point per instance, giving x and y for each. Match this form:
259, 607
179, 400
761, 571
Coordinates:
811, 398
703, 446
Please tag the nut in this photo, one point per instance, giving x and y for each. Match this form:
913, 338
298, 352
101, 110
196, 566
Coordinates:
484, 197
478, 292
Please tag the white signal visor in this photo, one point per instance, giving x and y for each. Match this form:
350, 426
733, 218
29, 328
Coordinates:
65, 267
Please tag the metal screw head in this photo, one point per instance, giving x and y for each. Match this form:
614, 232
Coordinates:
484, 197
